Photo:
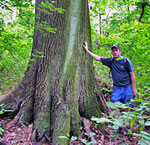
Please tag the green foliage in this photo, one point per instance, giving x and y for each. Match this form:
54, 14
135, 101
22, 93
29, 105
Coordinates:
49, 6
16, 37
117, 22
101, 120
15, 43
138, 116
145, 138
64, 137
73, 138
2, 111
44, 28
88, 143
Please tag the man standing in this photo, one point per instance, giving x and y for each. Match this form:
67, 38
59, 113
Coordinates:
124, 83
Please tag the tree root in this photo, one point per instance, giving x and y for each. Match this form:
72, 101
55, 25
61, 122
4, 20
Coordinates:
103, 101
87, 125
41, 138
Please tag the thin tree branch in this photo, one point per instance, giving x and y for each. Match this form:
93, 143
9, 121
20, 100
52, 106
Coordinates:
4, 5
143, 10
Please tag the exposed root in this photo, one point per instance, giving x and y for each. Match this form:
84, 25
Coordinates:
103, 101
14, 122
12, 110
40, 138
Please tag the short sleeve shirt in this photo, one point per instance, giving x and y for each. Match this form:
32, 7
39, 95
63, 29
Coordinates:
120, 70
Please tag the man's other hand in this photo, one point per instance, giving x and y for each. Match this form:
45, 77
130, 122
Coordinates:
134, 92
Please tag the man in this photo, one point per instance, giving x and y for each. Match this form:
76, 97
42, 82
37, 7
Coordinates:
124, 83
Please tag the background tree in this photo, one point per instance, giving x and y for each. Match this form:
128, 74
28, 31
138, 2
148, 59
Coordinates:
58, 87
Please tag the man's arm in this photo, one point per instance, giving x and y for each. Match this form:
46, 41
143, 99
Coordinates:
133, 83
96, 57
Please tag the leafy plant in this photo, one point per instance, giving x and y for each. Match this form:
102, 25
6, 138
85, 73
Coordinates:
138, 116
1, 129
2, 111
73, 138
145, 138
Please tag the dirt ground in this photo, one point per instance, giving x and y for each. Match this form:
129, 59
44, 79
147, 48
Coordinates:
20, 135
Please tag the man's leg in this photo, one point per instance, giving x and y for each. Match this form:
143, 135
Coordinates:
117, 94
128, 95
117, 97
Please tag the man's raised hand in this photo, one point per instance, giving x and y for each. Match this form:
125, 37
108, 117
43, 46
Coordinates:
85, 46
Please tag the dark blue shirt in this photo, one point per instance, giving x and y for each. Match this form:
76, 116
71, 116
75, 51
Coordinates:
120, 70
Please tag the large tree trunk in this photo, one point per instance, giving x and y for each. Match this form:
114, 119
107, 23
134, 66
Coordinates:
58, 87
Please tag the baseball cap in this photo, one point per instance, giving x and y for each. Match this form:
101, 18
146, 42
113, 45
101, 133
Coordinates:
115, 46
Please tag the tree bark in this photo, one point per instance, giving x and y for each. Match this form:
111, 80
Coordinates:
59, 87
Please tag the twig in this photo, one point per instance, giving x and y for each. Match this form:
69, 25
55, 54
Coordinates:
143, 10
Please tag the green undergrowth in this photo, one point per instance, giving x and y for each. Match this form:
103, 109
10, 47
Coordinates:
2, 111
136, 118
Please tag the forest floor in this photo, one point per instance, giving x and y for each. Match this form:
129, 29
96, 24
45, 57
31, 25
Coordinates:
21, 135
16, 135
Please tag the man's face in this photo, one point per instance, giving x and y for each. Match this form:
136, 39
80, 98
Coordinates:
116, 52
